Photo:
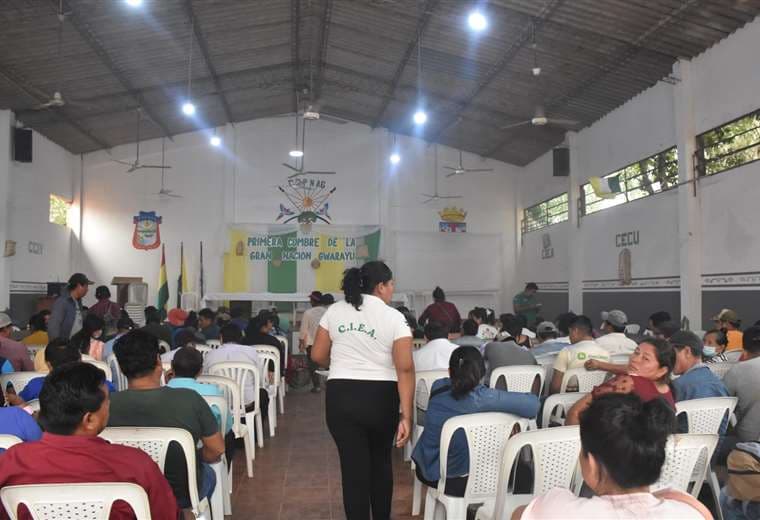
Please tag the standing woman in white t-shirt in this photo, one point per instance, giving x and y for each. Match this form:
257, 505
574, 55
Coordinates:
368, 347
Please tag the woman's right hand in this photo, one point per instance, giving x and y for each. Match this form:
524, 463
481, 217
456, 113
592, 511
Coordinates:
591, 364
403, 432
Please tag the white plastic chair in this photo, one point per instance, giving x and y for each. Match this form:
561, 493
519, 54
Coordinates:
620, 359
33, 349
686, 456
561, 403
203, 349
518, 378
18, 379
268, 349
80, 501
272, 387
707, 416
155, 442
234, 402
163, 346
241, 372
633, 329
720, 369
6, 441
555, 463
213, 343
547, 363
221, 504
120, 380
423, 383
283, 383
733, 356
486, 434
587, 379
101, 365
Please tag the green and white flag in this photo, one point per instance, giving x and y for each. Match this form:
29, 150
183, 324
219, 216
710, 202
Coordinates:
606, 187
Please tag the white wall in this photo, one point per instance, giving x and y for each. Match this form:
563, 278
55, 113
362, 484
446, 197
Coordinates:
218, 189
725, 87
50, 172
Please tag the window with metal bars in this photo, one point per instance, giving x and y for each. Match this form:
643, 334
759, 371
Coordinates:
546, 213
730, 145
643, 178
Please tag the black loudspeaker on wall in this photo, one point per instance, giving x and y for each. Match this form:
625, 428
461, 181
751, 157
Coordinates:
22, 145
561, 162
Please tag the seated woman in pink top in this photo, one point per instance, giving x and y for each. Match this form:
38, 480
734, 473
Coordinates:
622, 452
646, 375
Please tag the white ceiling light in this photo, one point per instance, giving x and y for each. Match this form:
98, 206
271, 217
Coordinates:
395, 158
477, 21
134, 3
420, 117
188, 108
215, 141
295, 153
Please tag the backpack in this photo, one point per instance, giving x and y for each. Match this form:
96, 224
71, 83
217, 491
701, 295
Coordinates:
744, 472
297, 374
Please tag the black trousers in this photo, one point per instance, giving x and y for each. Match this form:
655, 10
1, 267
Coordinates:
362, 417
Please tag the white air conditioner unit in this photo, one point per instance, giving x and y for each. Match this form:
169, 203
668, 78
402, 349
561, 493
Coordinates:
190, 301
136, 312
138, 293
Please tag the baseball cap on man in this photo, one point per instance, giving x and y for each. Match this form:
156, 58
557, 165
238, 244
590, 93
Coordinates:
5, 320
546, 327
685, 338
616, 318
726, 315
79, 279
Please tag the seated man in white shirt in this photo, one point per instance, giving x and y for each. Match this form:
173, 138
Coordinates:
582, 349
435, 354
613, 338
232, 350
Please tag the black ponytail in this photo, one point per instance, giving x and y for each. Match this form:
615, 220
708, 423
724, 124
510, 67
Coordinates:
627, 437
467, 368
363, 280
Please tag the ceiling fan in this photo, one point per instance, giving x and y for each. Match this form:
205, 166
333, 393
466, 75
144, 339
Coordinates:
164, 191
461, 170
435, 195
298, 172
57, 100
134, 166
540, 119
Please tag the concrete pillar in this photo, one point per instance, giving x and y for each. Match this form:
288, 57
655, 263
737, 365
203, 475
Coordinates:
575, 245
689, 199
6, 120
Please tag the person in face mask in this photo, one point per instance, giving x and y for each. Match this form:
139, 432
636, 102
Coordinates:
696, 381
716, 342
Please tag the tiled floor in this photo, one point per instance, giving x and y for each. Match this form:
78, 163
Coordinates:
296, 476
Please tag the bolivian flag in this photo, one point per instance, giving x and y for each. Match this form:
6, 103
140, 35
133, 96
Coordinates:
606, 187
163, 285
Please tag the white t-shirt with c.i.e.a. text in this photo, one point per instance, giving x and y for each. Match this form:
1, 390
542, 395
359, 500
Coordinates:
362, 341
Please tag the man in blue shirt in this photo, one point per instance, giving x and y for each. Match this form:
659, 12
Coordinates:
18, 422
187, 364
57, 353
696, 380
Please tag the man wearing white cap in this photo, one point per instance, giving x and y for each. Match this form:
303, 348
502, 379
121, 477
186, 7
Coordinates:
12, 351
614, 339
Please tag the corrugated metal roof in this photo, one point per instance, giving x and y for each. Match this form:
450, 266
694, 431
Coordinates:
249, 57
